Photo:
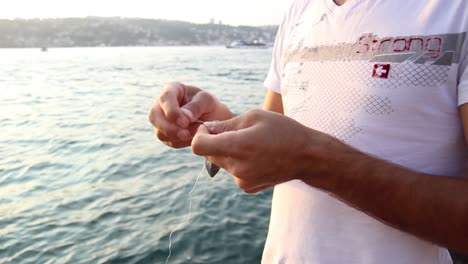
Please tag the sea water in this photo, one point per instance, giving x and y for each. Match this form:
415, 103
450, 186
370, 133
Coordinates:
83, 178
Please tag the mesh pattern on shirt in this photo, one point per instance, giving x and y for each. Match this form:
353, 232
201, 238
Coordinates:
327, 94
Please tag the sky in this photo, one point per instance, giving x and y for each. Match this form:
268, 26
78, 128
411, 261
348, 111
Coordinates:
238, 12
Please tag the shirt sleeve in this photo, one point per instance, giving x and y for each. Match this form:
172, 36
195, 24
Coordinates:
463, 76
463, 81
273, 78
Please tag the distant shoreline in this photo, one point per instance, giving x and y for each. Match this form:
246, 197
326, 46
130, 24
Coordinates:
128, 18
123, 32
96, 47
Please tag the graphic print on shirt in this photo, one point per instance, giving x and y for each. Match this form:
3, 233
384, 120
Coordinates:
359, 75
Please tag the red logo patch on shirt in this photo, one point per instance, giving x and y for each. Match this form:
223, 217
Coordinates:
381, 71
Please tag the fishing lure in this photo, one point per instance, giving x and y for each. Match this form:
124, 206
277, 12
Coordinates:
211, 168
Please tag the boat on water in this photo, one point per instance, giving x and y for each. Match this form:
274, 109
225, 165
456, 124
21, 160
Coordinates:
248, 45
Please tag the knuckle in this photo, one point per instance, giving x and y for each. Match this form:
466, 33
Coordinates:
171, 85
194, 108
206, 97
150, 116
172, 114
257, 114
254, 112
249, 113
165, 131
175, 145
153, 117
179, 145
247, 188
227, 126
196, 148
199, 103
161, 136
251, 191
152, 112
167, 143
252, 116
242, 184
166, 94
163, 96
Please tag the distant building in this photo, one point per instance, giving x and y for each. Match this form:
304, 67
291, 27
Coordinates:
212, 20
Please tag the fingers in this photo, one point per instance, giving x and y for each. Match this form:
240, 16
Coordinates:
165, 127
206, 144
240, 122
233, 145
222, 138
170, 101
199, 105
173, 124
171, 142
248, 187
218, 127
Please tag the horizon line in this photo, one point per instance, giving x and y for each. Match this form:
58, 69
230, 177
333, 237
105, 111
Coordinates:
124, 17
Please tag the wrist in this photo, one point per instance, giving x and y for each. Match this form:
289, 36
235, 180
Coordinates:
328, 160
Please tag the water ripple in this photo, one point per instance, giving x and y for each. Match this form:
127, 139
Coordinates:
82, 178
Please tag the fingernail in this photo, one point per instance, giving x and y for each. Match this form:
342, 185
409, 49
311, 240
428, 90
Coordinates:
210, 125
188, 114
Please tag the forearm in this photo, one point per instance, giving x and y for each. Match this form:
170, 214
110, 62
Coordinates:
434, 208
273, 102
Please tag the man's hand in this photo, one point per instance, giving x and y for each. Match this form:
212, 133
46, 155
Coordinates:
262, 149
174, 112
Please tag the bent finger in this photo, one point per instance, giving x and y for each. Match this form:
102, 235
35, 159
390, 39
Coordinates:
162, 125
201, 104
164, 138
170, 101
177, 145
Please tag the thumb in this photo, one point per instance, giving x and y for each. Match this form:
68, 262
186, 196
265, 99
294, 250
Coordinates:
218, 127
207, 143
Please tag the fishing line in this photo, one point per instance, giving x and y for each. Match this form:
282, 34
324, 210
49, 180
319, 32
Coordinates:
181, 225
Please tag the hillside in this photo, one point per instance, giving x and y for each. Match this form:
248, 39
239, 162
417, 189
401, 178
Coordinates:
98, 31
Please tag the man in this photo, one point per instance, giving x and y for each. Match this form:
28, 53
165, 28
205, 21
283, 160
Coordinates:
367, 161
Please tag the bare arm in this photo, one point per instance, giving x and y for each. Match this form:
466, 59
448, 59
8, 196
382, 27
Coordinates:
273, 102
434, 208
431, 207
464, 120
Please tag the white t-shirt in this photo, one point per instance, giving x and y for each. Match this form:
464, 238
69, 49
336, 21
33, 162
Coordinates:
386, 77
